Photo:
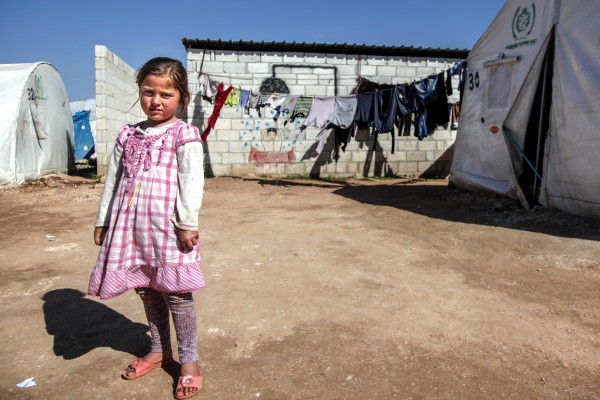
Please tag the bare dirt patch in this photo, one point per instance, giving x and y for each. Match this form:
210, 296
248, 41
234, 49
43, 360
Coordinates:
374, 289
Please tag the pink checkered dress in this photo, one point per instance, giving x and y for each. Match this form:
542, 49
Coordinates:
141, 248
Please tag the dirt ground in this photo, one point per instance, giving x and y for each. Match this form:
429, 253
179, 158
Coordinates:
373, 289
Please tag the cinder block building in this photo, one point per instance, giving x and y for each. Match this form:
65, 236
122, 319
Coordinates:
305, 69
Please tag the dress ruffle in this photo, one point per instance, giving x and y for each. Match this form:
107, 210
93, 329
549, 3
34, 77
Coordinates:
108, 284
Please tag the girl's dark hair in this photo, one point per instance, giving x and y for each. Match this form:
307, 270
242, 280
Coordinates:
174, 69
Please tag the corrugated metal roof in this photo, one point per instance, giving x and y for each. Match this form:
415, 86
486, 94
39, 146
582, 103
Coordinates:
335, 48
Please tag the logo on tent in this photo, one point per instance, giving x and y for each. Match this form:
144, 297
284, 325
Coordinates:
523, 22
39, 88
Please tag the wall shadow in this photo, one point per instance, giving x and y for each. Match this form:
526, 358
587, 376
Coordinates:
448, 203
313, 182
323, 159
441, 166
80, 325
198, 121
451, 204
375, 161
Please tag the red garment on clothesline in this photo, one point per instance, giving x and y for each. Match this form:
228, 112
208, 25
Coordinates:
219, 101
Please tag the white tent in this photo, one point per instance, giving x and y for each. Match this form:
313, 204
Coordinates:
530, 116
36, 127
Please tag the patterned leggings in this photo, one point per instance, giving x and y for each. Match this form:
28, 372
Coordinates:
181, 305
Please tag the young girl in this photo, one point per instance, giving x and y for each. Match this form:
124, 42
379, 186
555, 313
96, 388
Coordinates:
147, 221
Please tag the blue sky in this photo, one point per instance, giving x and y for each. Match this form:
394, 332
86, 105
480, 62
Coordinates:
64, 32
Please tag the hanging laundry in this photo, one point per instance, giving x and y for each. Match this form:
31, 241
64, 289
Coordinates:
288, 104
385, 113
302, 108
244, 98
263, 101
363, 85
220, 98
234, 97
423, 90
377, 111
365, 111
457, 68
275, 102
208, 88
448, 83
253, 99
320, 111
433, 110
319, 116
342, 120
460, 69
385, 108
438, 110
405, 110
364, 108
344, 111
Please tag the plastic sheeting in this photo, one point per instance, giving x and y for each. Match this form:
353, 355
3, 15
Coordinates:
84, 141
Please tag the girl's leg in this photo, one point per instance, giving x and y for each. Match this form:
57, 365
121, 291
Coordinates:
157, 313
184, 319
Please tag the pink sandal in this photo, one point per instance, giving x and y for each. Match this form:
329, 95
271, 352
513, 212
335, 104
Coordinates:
141, 367
188, 381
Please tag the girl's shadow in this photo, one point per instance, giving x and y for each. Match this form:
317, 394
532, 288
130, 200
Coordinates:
80, 325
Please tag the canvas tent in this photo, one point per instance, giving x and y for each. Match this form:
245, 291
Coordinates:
36, 127
530, 114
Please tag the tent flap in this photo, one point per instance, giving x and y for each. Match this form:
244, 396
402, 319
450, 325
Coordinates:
572, 162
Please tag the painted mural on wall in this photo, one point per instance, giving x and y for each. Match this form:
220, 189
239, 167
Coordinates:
272, 132
274, 85
270, 140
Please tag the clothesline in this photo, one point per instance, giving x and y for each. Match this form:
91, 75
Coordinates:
207, 94
423, 103
453, 71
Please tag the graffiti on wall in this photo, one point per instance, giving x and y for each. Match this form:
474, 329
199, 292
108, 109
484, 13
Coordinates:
274, 85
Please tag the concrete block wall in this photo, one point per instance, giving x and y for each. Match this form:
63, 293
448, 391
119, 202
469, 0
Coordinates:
228, 147
236, 132
116, 102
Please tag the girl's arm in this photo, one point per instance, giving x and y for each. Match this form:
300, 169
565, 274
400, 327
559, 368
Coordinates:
190, 178
188, 239
113, 176
99, 233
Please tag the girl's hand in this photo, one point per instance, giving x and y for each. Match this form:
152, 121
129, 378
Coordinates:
99, 233
188, 239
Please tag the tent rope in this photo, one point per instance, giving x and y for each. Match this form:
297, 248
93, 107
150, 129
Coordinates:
509, 134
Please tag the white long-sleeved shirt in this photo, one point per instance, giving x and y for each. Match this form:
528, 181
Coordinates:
190, 177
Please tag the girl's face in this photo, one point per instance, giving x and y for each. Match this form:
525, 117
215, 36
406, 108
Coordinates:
159, 100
